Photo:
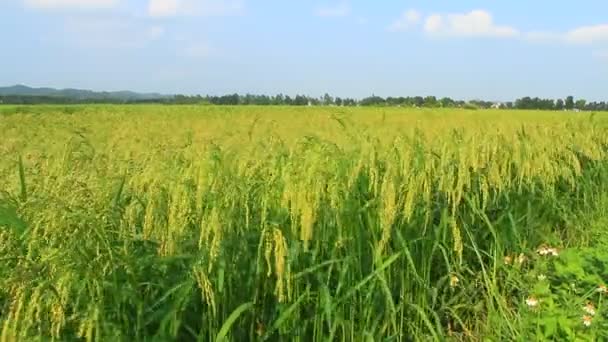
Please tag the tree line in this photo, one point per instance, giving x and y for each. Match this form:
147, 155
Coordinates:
532, 103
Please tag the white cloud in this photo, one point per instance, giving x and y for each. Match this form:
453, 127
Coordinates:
477, 23
407, 20
433, 23
341, 9
171, 8
77, 4
587, 34
110, 33
163, 8
584, 35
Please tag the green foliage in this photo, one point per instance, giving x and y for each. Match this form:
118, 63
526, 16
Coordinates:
471, 106
570, 291
569, 103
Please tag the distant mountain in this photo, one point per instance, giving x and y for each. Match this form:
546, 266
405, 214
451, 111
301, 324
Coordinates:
78, 94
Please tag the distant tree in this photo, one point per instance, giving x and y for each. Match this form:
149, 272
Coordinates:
231, 99
535, 103
248, 99
349, 102
446, 102
431, 101
523, 103
481, 104
300, 100
569, 105
418, 101
278, 100
548, 104
372, 101
580, 104
393, 101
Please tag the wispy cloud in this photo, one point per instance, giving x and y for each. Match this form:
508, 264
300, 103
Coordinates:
477, 23
163, 8
408, 20
171, 8
110, 33
433, 23
584, 35
588, 34
71, 4
341, 9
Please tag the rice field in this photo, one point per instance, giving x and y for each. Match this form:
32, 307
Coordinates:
204, 223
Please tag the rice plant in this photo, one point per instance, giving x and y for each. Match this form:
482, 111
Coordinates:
137, 223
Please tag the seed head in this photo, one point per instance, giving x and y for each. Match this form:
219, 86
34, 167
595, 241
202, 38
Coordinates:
454, 281
521, 259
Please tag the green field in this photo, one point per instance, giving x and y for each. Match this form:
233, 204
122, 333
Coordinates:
204, 223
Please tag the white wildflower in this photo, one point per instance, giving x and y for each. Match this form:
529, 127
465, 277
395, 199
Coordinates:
589, 308
532, 302
545, 250
587, 321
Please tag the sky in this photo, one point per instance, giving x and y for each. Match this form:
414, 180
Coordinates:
467, 49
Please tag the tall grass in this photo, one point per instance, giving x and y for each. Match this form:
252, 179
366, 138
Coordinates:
187, 223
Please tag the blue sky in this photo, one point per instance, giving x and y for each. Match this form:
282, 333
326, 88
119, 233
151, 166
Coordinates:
495, 50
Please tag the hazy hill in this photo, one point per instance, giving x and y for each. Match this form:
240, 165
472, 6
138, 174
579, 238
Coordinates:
77, 94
